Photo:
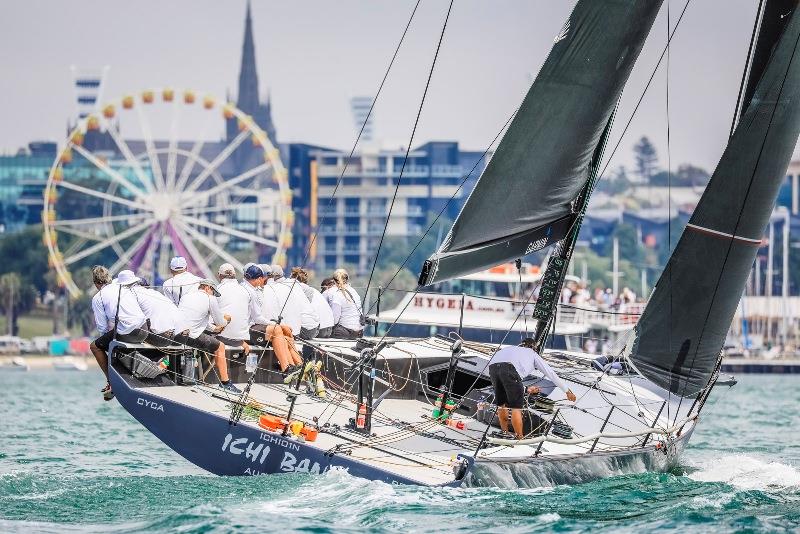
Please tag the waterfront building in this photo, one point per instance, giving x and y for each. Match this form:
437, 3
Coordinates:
350, 222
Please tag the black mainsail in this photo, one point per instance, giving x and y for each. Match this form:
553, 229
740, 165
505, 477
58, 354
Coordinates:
525, 198
678, 339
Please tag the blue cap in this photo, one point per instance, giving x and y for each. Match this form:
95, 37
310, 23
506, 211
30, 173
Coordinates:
253, 272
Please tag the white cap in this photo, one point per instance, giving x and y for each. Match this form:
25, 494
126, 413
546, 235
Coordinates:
266, 268
227, 268
277, 270
177, 263
126, 278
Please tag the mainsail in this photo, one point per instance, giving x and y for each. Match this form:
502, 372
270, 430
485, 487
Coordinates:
679, 337
524, 200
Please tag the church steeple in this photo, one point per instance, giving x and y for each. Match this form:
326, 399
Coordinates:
248, 77
247, 98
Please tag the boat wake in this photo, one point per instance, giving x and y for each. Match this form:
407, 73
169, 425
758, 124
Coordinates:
745, 472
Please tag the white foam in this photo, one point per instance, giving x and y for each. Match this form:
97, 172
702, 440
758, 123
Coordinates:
746, 472
552, 517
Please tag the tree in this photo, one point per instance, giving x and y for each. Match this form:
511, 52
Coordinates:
16, 297
690, 175
646, 159
630, 248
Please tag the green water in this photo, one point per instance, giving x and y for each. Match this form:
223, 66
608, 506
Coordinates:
70, 462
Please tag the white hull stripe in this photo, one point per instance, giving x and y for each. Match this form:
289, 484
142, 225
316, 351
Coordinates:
717, 233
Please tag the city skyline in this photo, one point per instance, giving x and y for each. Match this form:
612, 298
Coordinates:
313, 58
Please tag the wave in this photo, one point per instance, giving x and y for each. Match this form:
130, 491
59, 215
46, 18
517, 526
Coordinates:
745, 472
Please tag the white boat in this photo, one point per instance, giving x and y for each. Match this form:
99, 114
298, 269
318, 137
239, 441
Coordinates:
70, 363
17, 363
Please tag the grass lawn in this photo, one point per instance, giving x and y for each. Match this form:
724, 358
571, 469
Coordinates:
30, 326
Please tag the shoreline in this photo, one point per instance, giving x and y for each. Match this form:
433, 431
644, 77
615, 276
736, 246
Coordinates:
729, 365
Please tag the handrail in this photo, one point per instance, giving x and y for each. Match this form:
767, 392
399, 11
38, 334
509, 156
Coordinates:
592, 437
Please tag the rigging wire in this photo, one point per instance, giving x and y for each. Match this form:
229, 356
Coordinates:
408, 151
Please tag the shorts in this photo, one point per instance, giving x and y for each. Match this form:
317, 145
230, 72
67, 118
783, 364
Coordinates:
203, 342
342, 332
508, 388
308, 333
258, 334
231, 342
325, 332
164, 339
137, 336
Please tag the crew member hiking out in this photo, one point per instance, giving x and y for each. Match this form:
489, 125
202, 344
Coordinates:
114, 311
509, 366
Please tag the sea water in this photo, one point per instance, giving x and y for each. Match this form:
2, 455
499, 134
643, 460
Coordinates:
70, 462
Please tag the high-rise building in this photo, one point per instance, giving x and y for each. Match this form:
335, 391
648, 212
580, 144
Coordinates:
88, 85
350, 222
363, 120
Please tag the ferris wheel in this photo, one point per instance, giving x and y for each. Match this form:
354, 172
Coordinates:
143, 180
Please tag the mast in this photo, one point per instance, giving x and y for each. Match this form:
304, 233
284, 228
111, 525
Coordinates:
553, 279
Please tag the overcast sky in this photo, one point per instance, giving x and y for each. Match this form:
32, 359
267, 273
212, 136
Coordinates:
314, 55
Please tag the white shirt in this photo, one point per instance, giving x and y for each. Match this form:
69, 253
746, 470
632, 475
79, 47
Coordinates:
104, 306
297, 310
256, 314
196, 310
525, 360
321, 307
179, 285
235, 301
163, 314
346, 307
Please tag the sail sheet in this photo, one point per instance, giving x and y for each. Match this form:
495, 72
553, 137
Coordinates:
523, 200
679, 337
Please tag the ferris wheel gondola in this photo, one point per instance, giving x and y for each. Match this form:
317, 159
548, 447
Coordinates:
132, 203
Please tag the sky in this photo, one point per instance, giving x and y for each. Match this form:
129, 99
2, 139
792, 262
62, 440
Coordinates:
313, 55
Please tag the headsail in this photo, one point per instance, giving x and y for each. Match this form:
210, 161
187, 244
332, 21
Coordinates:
681, 333
524, 199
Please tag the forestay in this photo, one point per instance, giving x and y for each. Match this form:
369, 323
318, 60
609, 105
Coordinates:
524, 199
679, 337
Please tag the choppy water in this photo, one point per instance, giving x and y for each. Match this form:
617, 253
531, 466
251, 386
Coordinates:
70, 462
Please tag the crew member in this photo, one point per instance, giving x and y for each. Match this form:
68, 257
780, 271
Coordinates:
234, 300
265, 331
161, 313
346, 308
182, 281
508, 367
197, 311
115, 312
318, 302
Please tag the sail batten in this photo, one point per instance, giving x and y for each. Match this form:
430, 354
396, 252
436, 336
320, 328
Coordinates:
524, 200
678, 339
